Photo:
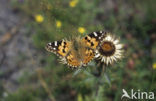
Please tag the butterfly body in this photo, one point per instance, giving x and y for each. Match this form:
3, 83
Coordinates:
77, 52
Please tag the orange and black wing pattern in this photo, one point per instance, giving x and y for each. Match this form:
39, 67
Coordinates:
61, 48
93, 39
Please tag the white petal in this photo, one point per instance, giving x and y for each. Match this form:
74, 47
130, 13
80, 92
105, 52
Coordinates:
108, 38
107, 61
119, 46
114, 59
102, 60
116, 42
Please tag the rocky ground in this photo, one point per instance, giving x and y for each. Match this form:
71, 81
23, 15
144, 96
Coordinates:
17, 52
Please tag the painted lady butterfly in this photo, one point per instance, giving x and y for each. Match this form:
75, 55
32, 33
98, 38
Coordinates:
77, 52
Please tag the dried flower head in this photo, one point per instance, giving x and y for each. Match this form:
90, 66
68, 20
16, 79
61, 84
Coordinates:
109, 50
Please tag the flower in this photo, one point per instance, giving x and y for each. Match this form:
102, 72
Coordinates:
73, 3
58, 24
109, 50
39, 18
81, 30
154, 66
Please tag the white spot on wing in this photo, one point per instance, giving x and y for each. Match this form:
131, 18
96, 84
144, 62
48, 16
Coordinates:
49, 44
95, 34
55, 43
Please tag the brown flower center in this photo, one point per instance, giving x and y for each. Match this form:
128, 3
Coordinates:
107, 48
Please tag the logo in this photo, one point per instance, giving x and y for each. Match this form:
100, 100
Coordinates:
137, 94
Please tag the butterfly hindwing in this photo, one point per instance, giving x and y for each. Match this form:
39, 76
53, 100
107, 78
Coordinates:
89, 55
72, 61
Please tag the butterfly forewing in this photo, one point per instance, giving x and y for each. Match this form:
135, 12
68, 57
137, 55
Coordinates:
93, 39
60, 48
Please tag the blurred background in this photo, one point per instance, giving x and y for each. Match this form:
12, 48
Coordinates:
29, 73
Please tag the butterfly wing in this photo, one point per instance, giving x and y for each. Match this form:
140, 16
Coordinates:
93, 39
89, 55
61, 48
72, 61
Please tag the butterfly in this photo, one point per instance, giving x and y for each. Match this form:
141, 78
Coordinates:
77, 52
